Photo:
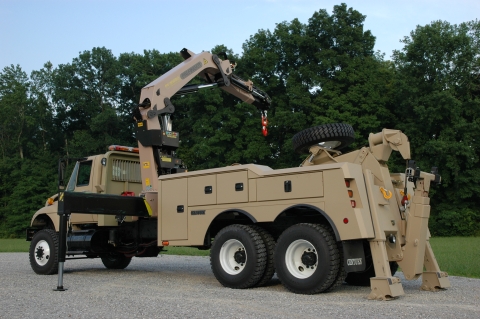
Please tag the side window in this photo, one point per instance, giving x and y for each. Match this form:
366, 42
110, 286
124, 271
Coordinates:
84, 171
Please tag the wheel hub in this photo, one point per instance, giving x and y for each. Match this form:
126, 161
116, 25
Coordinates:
42, 253
309, 258
240, 256
39, 253
301, 259
233, 257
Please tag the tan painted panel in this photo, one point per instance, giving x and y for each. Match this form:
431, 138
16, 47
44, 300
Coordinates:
302, 186
174, 224
262, 212
110, 184
252, 190
227, 187
362, 219
338, 206
196, 190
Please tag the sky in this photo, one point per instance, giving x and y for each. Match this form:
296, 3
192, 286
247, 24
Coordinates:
33, 32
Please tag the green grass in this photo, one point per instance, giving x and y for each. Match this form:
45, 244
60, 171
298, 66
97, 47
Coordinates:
458, 256
14, 245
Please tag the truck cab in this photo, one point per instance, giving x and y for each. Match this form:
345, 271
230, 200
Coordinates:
115, 172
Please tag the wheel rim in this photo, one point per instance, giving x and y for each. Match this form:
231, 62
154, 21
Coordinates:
301, 259
330, 144
42, 253
233, 257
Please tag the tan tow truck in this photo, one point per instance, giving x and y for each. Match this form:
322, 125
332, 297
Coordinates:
336, 218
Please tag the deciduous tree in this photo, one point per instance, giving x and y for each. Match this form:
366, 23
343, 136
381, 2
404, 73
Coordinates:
439, 103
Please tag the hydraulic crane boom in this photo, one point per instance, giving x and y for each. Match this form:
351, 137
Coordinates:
156, 141
262, 100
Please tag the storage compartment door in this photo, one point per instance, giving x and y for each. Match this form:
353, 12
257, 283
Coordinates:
232, 188
290, 186
174, 209
202, 190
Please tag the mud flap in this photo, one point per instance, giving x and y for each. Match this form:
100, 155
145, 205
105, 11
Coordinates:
354, 255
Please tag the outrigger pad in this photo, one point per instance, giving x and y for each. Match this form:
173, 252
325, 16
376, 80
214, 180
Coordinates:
385, 288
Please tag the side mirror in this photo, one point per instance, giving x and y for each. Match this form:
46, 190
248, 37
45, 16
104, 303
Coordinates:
61, 174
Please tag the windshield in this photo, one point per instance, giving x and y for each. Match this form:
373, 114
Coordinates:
73, 178
80, 175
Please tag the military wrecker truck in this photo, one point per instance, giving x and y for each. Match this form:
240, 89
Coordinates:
335, 218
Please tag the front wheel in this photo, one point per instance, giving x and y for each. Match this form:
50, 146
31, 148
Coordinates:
43, 252
307, 258
238, 256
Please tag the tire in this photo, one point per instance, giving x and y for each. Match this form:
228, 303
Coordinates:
269, 249
362, 278
43, 252
307, 258
342, 274
238, 257
116, 261
335, 136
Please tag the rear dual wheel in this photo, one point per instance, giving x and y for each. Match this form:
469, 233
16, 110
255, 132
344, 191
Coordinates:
307, 258
269, 250
238, 256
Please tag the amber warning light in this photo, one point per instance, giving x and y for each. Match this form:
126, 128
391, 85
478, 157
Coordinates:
350, 194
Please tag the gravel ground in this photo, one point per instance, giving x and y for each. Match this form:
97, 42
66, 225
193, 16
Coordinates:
184, 287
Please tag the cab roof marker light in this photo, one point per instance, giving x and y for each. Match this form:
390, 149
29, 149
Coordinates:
123, 148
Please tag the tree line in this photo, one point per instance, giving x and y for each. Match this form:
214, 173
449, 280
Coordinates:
322, 71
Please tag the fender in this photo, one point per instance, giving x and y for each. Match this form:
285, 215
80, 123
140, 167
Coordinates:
318, 210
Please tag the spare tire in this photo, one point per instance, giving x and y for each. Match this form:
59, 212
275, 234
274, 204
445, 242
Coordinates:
334, 136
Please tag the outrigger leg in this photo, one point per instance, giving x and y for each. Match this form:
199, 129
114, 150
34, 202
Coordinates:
62, 249
432, 278
385, 286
